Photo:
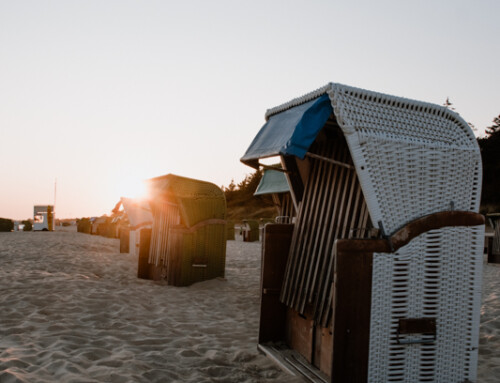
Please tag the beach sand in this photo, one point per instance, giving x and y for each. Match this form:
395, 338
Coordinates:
73, 310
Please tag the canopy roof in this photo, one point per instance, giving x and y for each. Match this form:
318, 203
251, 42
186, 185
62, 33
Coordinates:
290, 132
273, 181
412, 158
197, 200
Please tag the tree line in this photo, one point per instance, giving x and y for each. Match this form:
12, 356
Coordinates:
490, 153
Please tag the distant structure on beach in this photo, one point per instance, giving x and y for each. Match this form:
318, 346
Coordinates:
43, 218
187, 240
379, 277
138, 215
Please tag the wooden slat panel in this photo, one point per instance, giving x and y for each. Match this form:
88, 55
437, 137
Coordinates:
327, 237
165, 216
294, 259
323, 349
309, 212
313, 227
275, 248
351, 334
320, 231
299, 334
332, 206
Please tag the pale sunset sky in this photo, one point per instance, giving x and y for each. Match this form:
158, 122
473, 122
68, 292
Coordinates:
103, 94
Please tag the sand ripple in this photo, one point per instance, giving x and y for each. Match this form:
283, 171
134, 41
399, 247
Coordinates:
72, 310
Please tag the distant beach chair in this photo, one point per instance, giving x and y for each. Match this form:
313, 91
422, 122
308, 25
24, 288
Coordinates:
83, 225
188, 235
494, 241
137, 216
403, 306
98, 225
250, 230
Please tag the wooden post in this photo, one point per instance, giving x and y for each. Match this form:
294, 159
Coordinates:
124, 240
143, 264
351, 323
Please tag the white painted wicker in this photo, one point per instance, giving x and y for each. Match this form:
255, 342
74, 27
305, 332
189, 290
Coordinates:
437, 275
412, 158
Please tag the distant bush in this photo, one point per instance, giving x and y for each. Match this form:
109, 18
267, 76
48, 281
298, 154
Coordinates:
6, 224
27, 225
65, 224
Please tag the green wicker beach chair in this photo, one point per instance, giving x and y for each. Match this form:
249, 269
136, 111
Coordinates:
188, 240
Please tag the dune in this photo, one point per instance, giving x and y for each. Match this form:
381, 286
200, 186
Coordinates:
73, 310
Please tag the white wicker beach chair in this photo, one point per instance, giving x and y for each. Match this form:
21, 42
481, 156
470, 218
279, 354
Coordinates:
400, 308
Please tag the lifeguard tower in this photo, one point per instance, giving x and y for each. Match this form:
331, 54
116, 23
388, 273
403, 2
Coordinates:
43, 218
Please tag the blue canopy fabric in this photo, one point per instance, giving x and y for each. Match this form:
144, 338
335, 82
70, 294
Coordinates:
290, 132
273, 181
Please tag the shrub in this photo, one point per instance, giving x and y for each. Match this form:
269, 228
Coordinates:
6, 224
27, 225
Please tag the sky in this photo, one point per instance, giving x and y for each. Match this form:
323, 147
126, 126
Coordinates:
97, 96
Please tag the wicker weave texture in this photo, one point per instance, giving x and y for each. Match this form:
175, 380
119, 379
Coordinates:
197, 200
202, 255
412, 158
437, 275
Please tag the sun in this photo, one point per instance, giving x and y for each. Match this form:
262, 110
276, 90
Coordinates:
133, 188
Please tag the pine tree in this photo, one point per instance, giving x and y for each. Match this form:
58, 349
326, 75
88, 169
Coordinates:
495, 128
447, 104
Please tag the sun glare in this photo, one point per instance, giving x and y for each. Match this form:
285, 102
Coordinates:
133, 188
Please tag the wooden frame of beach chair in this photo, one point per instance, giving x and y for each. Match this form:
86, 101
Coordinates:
379, 279
188, 236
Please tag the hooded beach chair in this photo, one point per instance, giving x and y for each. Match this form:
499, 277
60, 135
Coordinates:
188, 236
379, 279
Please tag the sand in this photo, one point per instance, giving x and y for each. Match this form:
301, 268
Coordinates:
72, 310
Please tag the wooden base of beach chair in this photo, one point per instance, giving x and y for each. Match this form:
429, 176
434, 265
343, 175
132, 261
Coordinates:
143, 267
124, 241
341, 350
